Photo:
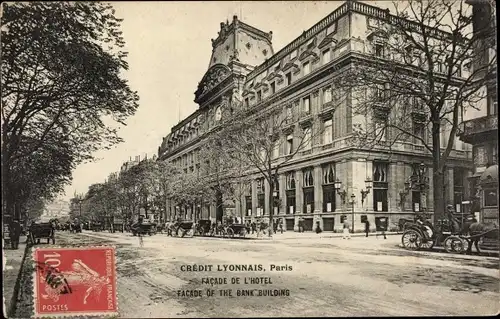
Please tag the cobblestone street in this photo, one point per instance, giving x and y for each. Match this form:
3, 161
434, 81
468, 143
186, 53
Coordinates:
328, 277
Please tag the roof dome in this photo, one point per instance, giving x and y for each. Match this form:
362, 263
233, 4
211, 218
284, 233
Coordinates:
490, 175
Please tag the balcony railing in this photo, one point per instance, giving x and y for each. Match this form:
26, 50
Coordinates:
479, 125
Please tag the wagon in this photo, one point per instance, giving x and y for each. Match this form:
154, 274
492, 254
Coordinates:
143, 229
42, 230
203, 227
183, 228
236, 230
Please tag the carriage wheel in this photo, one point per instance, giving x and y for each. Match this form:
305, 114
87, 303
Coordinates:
230, 233
243, 232
180, 232
411, 239
427, 244
454, 244
190, 232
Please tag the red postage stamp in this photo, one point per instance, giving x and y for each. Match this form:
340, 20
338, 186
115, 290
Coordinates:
75, 281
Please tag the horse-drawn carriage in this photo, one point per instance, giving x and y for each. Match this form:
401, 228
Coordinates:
181, 228
38, 231
203, 228
143, 229
451, 234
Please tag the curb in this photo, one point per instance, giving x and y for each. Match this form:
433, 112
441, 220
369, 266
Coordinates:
15, 295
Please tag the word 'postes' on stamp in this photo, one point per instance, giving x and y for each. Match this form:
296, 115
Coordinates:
75, 281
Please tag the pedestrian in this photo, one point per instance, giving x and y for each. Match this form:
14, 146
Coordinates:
254, 227
318, 228
15, 233
281, 225
367, 227
275, 226
345, 232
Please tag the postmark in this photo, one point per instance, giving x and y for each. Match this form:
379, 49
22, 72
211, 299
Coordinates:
76, 281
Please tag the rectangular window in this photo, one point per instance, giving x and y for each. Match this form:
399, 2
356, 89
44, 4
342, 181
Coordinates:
380, 186
327, 94
492, 106
273, 87
307, 68
307, 138
331, 29
328, 198
307, 105
309, 200
289, 141
327, 131
326, 56
290, 202
418, 131
379, 50
261, 205
288, 78
416, 200
259, 96
276, 149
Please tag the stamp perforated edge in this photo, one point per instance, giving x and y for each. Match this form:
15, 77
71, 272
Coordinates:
113, 313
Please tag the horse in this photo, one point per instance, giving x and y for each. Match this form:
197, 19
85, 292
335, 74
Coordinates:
474, 229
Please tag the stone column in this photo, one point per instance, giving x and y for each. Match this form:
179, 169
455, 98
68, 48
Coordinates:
282, 181
267, 213
299, 197
254, 198
430, 190
395, 186
450, 189
318, 196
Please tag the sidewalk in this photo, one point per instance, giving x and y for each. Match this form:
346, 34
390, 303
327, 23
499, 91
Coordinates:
12, 262
311, 235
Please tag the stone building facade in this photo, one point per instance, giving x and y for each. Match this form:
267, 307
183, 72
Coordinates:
480, 126
317, 185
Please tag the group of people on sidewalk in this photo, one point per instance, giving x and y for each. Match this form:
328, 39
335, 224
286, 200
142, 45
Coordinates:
14, 233
346, 233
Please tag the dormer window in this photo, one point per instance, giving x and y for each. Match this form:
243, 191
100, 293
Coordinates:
259, 96
293, 55
325, 56
307, 68
247, 103
273, 87
288, 78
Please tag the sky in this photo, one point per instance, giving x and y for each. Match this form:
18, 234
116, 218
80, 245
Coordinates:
169, 51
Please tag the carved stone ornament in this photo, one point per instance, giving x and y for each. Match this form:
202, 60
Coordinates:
215, 75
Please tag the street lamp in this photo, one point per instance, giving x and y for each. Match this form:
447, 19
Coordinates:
342, 193
364, 193
352, 213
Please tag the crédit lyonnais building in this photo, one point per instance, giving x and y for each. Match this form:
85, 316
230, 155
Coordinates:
333, 180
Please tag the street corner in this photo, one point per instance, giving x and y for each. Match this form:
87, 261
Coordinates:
76, 281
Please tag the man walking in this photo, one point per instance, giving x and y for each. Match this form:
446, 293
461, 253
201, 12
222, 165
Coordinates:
15, 233
367, 227
346, 234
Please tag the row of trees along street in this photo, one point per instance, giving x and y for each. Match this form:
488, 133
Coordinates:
63, 96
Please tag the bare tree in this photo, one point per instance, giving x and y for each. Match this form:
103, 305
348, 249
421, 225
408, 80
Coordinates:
255, 137
418, 81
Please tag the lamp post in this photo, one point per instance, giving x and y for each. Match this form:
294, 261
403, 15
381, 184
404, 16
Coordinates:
342, 193
364, 193
352, 212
